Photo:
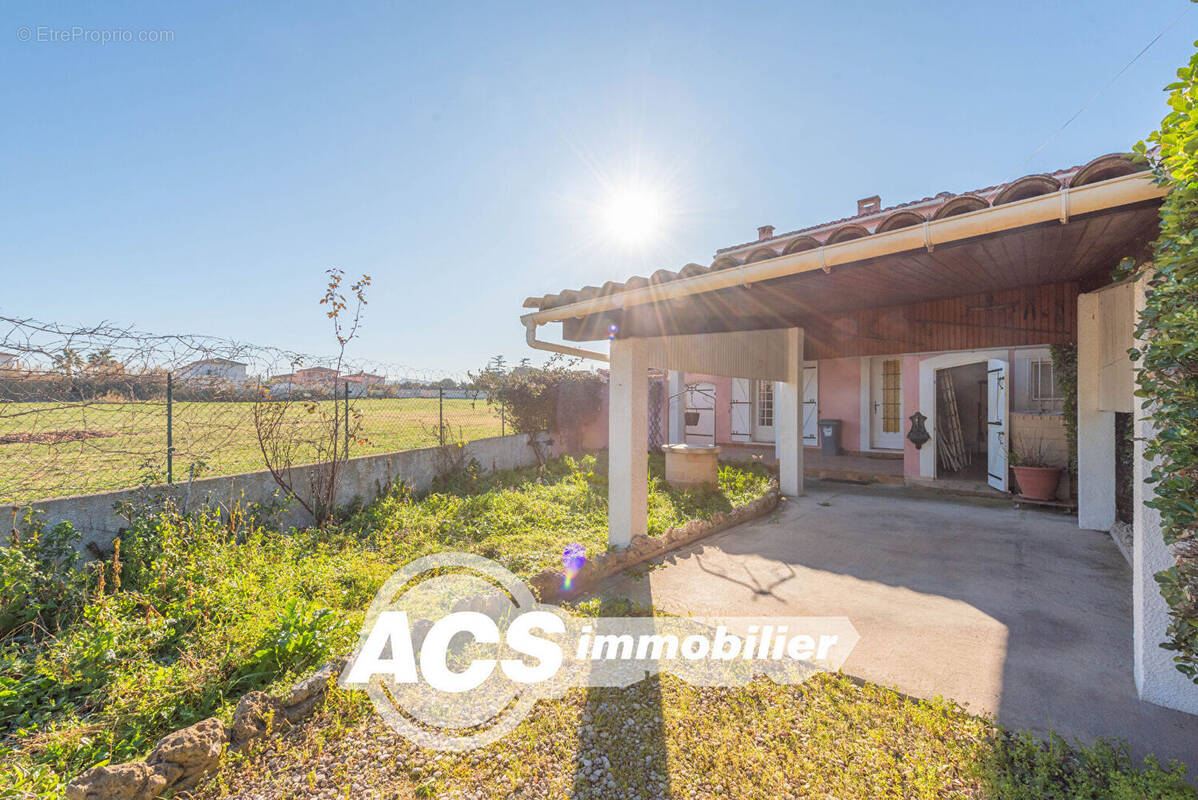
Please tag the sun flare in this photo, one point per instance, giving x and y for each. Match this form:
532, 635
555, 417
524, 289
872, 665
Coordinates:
633, 214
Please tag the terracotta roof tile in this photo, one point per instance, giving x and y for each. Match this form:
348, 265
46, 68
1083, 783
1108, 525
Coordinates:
934, 207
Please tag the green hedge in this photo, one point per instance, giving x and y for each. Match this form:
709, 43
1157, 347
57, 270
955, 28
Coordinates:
1168, 360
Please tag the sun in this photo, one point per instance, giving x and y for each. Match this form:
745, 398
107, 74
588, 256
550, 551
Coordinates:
633, 215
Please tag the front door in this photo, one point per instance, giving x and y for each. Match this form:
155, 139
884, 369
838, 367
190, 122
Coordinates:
763, 411
886, 404
997, 412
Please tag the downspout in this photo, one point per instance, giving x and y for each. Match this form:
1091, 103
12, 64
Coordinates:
530, 336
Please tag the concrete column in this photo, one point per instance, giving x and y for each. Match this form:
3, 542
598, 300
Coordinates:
628, 442
1095, 428
676, 386
1157, 680
788, 417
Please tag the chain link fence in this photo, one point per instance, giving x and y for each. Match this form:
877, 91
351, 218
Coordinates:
104, 408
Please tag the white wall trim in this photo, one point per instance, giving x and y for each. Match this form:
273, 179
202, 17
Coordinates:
1095, 427
927, 394
863, 390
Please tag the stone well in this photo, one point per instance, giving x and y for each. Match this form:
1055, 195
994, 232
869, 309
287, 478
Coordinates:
689, 465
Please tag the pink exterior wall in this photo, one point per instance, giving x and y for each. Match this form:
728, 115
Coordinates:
840, 397
910, 406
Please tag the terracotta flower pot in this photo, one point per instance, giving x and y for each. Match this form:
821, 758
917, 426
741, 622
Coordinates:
1038, 483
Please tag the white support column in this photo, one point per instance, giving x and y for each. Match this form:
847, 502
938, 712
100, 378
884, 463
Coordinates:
1157, 680
1095, 428
677, 407
628, 442
788, 417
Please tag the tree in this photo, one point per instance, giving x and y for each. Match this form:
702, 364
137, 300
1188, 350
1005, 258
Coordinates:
102, 361
292, 433
68, 362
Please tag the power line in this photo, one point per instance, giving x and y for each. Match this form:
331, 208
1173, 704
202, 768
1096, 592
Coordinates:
1105, 86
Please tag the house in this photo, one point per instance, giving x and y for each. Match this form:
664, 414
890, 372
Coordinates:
922, 330
363, 384
213, 372
9, 361
326, 379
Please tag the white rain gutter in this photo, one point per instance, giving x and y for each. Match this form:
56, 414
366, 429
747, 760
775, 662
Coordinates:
1059, 205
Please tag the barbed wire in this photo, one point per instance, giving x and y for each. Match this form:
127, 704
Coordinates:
103, 407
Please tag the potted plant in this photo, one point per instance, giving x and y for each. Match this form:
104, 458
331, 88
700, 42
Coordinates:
1037, 478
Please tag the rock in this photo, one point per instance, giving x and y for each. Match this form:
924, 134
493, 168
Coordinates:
136, 780
547, 583
186, 756
676, 535
257, 714
303, 710
641, 546
315, 684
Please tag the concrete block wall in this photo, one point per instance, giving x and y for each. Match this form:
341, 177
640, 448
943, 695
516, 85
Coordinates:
94, 515
1028, 431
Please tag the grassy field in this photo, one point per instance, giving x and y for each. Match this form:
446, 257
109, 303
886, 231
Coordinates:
55, 450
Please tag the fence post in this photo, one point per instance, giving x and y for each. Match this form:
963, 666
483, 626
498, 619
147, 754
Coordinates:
170, 433
441, 414
347, 418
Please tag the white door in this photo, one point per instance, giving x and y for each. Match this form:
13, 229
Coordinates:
763, 411
811, 404
741, 410
886, 404
996, 423
700, 413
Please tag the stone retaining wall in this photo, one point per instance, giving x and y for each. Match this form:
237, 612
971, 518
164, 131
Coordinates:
550, 585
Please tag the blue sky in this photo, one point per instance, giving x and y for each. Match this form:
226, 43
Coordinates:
459, 153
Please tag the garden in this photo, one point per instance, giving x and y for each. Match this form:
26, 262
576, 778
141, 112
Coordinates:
188, 613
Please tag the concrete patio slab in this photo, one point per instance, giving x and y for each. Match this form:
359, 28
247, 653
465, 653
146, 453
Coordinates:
1015, 613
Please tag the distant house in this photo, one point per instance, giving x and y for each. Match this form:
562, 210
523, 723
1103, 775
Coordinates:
326, 379
214, 372
362, 384
9, 361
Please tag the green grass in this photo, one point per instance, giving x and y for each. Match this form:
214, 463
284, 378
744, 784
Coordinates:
217, 438
830, 737
197, 611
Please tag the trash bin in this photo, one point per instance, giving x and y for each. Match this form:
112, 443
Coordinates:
829, 437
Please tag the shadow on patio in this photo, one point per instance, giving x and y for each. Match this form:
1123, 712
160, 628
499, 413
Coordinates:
1013, 613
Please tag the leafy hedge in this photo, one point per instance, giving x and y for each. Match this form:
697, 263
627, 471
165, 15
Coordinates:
1168, 361
555, 397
